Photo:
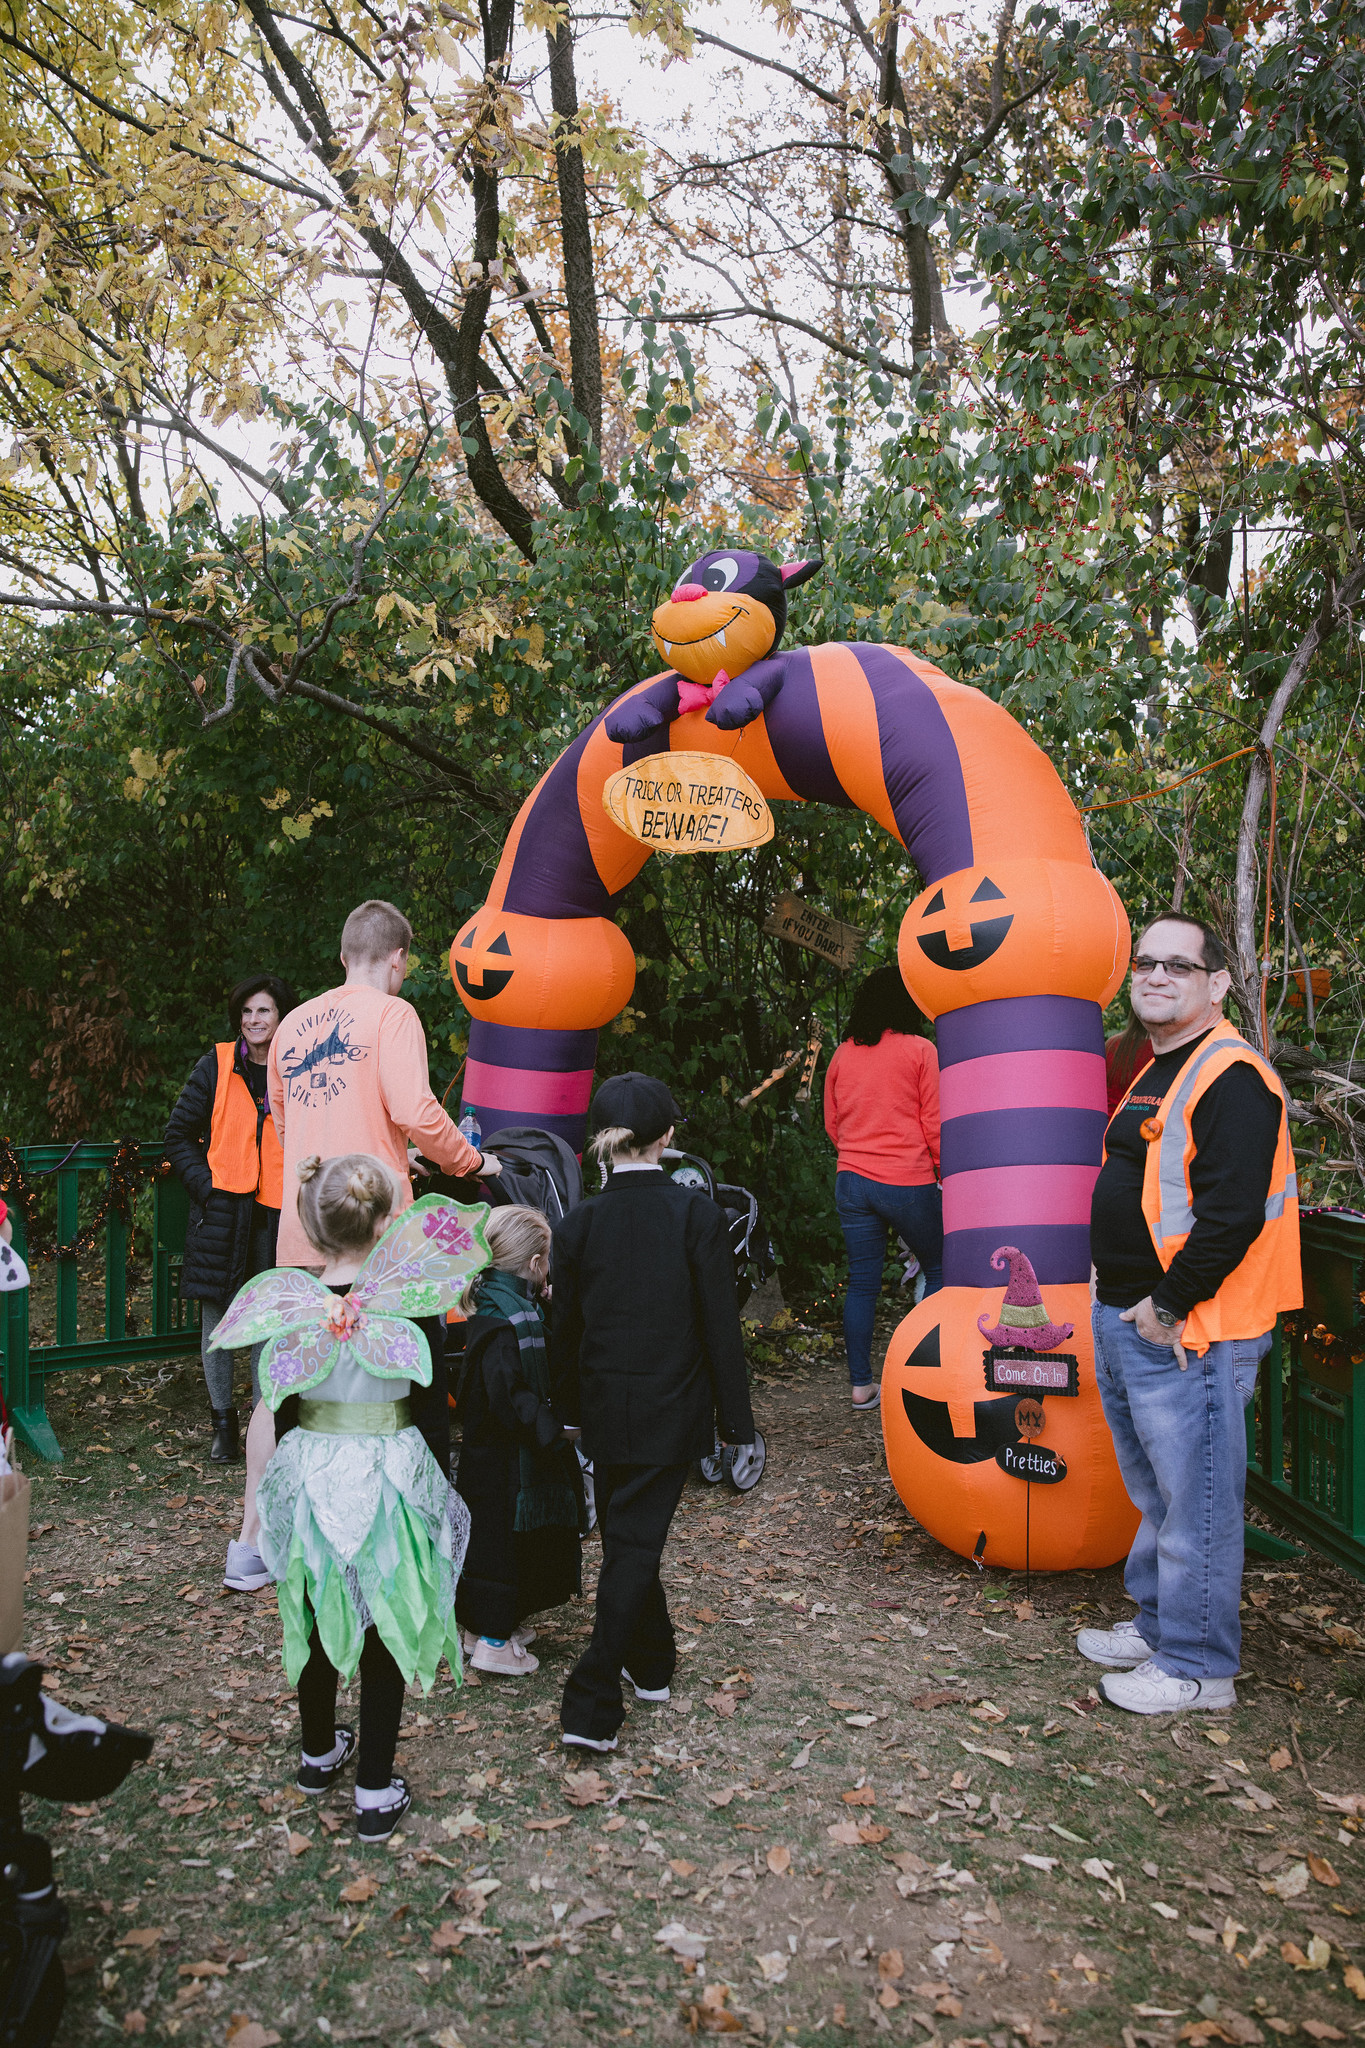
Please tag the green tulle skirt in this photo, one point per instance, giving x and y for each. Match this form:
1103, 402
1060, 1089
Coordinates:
364, 1531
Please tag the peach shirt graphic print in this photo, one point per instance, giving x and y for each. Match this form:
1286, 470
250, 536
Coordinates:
348, 1073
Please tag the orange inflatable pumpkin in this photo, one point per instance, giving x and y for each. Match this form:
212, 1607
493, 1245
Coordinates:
969, 1458
522, 971
1013, 928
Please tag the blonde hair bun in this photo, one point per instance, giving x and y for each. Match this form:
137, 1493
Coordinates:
341, 1200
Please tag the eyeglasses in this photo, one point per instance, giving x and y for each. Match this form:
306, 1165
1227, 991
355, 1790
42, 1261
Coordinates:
1144, 966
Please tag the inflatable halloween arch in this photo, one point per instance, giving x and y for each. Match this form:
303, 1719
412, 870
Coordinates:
1013, 946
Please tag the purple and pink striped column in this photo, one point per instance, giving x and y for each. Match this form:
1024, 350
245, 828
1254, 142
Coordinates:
1023, 1104
517, 1076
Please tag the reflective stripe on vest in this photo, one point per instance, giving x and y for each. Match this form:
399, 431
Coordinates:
237, 1166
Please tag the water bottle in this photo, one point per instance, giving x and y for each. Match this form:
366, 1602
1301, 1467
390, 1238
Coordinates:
468, 1128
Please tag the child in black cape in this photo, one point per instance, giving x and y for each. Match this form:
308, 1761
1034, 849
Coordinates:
647, 1356
518, 1474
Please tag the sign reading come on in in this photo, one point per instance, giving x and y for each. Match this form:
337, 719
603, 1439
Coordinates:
688, 803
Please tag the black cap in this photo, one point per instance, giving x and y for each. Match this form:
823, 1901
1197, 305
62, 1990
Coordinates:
634, 1102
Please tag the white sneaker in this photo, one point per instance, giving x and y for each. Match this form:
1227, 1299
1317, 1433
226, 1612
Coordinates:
524, 1636
507, 1660
643, 1692
1121, 1646
246, 1570
1150, 1690
597, 1742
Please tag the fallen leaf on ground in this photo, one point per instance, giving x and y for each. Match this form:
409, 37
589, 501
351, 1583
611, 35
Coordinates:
446, 2037
723, 1703
139, 1937
997, 1756
362, 1888
1353, 1977
1288, 1883
924, 1702
891, 1966
861, 1795
682, 1868
1218, 1735
447, 1936
1044, 1863
888, 1998
1322, 2030
204, 1969
871, 1834
705, 1614
1322, 1870
1318, 1957
773, 1966
135, 2022
779, 1860
1166, 1912
251, 2034
586, 1788
1279, 1759
679, 1941
712, 2016
563, 1820
298, 1843
844, 1832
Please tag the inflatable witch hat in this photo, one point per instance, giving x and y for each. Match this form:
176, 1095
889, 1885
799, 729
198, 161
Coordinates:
1023, 1319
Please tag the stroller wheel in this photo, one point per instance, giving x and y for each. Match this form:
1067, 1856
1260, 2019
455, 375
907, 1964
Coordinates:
744, 1463
712, 1469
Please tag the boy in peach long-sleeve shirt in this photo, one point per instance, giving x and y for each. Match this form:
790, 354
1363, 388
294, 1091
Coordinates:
348, 1073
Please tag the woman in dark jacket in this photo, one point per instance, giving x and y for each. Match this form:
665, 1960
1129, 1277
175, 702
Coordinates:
222, 1143
518, 1475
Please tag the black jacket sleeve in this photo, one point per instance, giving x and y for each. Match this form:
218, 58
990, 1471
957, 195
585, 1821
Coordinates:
186, 1142
566, 1320
514, 1406
1236, 1127
713, 1277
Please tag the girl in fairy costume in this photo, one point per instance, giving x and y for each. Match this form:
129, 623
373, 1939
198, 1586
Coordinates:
358, 1523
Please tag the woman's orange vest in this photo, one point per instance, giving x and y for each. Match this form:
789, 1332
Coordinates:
238, 1168
1270, 1277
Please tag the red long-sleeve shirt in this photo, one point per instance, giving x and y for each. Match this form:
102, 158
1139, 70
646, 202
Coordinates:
881, 1109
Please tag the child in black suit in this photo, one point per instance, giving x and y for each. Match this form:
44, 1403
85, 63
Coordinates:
646, 1355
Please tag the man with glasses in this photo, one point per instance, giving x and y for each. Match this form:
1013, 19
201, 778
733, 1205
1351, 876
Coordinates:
1194, 1232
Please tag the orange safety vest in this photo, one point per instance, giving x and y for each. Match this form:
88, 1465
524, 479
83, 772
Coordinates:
1270, 1277
237, 1165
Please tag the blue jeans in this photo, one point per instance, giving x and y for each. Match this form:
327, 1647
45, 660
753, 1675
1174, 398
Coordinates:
1182, 1450
868, 1209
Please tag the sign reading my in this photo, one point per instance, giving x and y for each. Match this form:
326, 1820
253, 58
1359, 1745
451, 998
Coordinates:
688, 803
804, 925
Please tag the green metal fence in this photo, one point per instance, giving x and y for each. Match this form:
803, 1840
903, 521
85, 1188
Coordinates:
78, 1332
1306, 1430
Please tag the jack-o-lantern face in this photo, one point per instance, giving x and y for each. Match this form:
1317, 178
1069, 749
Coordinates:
955, 938
482, 967
959, 1454
1017, 928
542, 973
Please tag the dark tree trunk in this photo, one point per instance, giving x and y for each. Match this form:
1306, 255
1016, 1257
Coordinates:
580, 289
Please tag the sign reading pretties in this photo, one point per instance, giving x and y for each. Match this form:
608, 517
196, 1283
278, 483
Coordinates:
688, 803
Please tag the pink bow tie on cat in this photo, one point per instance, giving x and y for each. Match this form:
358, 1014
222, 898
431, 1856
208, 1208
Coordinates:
698, 696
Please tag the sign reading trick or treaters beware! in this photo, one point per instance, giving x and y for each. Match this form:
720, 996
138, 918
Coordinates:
688, 803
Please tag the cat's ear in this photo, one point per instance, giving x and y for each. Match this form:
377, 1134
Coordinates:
793, 573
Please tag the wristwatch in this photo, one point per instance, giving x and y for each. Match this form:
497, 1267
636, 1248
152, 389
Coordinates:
1165, 1317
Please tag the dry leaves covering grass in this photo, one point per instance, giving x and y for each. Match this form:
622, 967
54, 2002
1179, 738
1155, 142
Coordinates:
883, 1802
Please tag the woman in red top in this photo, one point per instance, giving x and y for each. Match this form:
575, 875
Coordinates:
881, 1112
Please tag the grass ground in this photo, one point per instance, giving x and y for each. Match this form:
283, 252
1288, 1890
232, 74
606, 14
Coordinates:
883, 1802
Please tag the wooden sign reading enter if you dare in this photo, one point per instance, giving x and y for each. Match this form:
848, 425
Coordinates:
803, 925
688, 803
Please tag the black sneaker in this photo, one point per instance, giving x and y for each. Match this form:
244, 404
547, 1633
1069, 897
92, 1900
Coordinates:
315, 1779
377, 1823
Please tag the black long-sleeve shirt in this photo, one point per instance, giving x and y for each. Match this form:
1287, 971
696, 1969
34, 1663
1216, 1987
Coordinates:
646, 1350
1236, 1125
